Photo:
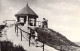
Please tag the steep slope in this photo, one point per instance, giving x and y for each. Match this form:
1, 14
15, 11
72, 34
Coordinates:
55, 39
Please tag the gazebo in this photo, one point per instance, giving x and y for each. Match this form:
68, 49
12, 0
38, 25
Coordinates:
26, 15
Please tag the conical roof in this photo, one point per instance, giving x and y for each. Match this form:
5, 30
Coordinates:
26, 11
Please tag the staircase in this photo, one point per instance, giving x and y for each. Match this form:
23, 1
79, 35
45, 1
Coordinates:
10, 35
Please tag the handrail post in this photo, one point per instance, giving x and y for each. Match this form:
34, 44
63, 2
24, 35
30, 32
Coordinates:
43, 46
0, 45
17, 30
21, 34
29, 38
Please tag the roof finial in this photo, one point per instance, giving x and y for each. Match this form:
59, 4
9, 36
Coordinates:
27, 4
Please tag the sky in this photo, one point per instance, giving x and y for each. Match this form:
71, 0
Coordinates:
63, 15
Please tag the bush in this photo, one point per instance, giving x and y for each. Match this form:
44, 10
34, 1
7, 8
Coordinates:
8, 46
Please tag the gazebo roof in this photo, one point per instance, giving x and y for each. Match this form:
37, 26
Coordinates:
26, 11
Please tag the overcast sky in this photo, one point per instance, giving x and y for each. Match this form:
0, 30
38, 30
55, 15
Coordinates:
63, 15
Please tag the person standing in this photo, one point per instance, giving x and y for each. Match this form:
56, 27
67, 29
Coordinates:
44, 23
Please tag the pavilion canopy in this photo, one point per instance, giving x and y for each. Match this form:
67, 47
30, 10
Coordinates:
26, 11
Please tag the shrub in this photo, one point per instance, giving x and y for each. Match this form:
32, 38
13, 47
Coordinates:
8, 46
